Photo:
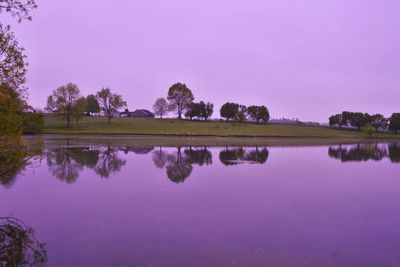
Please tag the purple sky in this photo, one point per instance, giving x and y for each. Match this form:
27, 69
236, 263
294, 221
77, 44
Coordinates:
300, 58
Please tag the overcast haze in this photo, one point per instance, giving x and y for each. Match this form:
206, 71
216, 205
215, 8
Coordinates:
305, 59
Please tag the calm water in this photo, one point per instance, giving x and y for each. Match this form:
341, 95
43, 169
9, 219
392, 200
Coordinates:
117, 205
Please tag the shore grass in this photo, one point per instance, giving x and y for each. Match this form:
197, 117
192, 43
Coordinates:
173, 127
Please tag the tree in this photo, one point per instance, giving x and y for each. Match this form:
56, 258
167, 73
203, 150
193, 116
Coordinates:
78, 109
109, 102
394, 124
206, 110
12, 69
192, 110
179, 96
63, 100
160, 107
358, 119
241, 115
229, 110
92, 105
368, 129
11, 107
378, 121
258, 113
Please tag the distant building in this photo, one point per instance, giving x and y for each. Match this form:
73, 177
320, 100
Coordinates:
139, 113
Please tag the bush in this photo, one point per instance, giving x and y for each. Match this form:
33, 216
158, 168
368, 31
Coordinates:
32, 122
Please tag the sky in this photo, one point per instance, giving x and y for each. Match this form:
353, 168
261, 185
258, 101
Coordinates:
303, 59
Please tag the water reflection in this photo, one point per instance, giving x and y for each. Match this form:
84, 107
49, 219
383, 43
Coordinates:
365, 152
18, 244
179, 164
15, 157
235, 156
66, 163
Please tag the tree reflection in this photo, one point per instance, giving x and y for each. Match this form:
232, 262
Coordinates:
359, 152
18, 244
160, 158
62, 164
179, 165
199, 156
394, 152
67, 162
109, 163
235, 156
15, 156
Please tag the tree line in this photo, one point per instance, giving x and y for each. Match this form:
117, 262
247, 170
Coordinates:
365, 121
180, 100
67, 102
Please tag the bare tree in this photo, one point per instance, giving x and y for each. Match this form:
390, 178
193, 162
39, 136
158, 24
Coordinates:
160, 107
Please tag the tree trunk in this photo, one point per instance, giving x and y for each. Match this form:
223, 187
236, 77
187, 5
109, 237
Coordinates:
67, 119
109, 119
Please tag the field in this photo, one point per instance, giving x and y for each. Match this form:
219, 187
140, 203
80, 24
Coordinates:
172, 127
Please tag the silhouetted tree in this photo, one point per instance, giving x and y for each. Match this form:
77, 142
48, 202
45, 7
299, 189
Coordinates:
229, 111
358, 119
394, 124
206, 110
179, 96
63, 100
258, 113
192, 110
257, 155
92, 105
18, 244
378, 121
109, 102
160, 107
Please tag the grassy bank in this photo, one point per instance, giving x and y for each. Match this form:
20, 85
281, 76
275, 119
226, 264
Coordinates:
130, 126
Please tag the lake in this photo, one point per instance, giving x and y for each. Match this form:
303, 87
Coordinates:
117, 204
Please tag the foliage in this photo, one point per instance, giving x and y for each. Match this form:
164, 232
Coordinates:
258, 113
355, 119
92, 105
18, 244
179, 96
63, 101
192, 110
229, 110
378, 121
160, 107
33, 122
241, 115
206, 110
15, 156
18, 8
394, 124
79, 109
12, 61
109, 102
11, 107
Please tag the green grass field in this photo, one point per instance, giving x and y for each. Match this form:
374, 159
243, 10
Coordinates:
126, 126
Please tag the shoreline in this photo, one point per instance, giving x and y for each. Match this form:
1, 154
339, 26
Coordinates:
201, 140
